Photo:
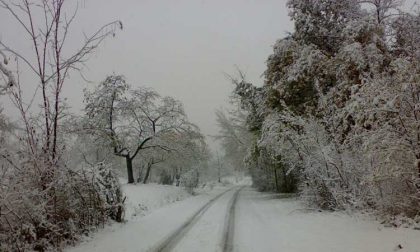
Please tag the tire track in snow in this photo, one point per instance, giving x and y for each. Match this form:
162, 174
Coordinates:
169, 243
229, 227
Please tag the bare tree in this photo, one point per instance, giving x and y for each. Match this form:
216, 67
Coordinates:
46, 24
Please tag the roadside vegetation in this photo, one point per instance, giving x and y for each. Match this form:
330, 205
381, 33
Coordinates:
337, 117
59, 171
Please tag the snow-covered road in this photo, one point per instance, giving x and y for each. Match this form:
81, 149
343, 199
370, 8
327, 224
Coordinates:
209, 230
253, 222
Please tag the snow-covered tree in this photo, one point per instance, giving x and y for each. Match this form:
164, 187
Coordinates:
132, 120
189, 152
339, 106
234, 137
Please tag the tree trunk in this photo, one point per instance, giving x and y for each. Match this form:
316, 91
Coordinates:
146, 176
287, 181
130, 174
276, 179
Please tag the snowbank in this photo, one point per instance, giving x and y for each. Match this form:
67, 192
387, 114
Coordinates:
143, 199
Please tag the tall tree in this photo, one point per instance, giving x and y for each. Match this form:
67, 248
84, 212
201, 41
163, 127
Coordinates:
132, 119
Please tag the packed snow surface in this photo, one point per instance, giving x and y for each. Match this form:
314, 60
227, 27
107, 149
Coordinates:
207, 234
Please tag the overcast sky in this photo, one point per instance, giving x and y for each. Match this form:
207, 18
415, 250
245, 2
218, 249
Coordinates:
181, 48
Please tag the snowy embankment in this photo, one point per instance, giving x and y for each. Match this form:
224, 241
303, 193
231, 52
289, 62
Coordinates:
143, 199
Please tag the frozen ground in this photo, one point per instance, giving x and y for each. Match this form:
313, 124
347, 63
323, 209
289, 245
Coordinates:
254, 222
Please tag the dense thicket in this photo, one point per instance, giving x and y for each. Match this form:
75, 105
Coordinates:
338, 115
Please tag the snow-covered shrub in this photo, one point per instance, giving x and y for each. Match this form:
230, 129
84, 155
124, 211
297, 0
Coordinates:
110, 190
308, 156
43, 210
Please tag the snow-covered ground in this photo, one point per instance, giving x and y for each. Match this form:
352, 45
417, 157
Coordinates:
143, 199
162, 215
262, 222
268, 222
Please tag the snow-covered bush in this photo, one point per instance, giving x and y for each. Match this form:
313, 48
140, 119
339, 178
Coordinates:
42, 210
110, 191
